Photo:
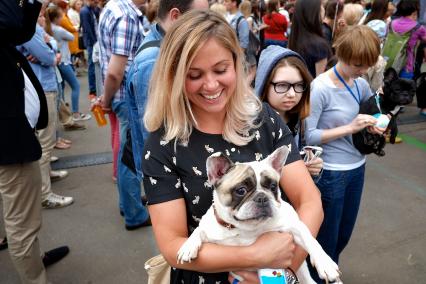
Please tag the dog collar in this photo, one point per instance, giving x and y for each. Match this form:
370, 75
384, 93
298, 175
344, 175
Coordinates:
221, 222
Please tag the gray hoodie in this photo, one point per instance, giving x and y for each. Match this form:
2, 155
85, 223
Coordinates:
267, 61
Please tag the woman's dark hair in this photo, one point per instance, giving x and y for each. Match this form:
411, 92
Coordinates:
271, 6
330, 8
306, 26
379, 9
407, 7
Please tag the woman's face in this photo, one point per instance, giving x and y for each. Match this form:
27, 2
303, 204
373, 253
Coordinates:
354, 70
41, 19
78, 5
283, 102
210, 81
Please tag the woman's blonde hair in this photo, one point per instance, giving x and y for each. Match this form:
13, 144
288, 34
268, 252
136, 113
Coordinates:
358, 45
352, 13
219, 8
245, 8
169, 107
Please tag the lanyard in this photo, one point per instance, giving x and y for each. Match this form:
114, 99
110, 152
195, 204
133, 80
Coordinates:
347, 87
377, 98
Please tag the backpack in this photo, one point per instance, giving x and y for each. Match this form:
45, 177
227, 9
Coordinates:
253, 47
395, 48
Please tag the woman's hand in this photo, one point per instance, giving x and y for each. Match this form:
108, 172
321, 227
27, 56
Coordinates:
315, 165
376, 130
279, 247
362, 121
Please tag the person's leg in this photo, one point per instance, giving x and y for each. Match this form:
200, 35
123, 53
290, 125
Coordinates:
332, 187
128, 184
115, 143
355, 184
20, 190
91, 71
47, 140
68, 76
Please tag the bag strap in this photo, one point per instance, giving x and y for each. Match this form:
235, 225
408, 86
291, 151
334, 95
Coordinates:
153, 43
237, 25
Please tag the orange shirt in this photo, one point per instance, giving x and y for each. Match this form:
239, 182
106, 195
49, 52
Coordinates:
67, 24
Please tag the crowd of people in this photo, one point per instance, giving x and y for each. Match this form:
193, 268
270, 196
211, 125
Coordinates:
180, 80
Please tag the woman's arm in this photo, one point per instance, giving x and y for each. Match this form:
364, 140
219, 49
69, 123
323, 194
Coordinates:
170, 230
305, 198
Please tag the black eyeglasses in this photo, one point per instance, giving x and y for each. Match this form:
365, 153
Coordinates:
284, 87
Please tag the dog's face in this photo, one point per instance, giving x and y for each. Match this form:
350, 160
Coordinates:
397, 90
246, 193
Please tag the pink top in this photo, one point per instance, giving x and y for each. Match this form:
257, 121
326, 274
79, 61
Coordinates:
402, 25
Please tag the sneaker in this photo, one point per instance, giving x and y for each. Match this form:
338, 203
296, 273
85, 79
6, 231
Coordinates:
3, 244
92, 96
56, 201
52, 256
397, 139
74, 126
58, 175
53, 159
81, 116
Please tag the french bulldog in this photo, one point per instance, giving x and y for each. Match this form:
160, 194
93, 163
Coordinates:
247, 203
397, 92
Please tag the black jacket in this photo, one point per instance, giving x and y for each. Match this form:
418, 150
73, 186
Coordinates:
18, 142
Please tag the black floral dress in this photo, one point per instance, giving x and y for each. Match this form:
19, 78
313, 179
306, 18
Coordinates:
172, 172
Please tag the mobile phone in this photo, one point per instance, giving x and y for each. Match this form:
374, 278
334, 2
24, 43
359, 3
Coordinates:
315, 151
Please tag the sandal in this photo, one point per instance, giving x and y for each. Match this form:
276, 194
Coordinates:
3, 244
61, 145
63, 140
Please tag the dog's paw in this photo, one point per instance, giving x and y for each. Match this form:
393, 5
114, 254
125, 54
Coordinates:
188, 251
326, 267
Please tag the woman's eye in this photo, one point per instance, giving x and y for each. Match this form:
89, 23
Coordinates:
194, 76
222, 71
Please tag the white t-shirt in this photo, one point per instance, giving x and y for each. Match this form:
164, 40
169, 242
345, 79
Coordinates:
32, 102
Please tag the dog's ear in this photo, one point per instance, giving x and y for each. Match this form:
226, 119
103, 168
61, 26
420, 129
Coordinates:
390, 75
278, 158
217, 165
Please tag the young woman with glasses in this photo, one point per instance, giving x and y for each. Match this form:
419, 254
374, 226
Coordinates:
283, 81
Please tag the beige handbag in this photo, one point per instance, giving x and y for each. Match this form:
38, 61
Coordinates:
158, 270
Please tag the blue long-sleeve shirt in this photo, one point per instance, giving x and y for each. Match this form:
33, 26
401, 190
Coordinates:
138, 78
45, 60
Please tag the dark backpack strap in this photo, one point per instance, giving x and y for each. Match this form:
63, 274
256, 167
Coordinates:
237, 25
153, 43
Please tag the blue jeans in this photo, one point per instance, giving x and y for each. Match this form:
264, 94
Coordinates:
68, 75
129, 187
91, 71
341, 196
268, 42
406, 74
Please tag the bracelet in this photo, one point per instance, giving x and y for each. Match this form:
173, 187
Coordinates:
291, 276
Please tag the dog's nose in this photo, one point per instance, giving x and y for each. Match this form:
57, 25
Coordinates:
261, 199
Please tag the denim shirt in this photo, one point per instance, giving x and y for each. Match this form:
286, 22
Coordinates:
45, 59
137, 84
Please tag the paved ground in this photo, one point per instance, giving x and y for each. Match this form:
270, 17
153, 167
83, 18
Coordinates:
388, 245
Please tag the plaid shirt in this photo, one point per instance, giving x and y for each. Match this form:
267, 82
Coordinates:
120, 33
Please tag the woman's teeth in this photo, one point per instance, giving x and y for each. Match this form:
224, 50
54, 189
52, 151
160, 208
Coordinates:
213, 96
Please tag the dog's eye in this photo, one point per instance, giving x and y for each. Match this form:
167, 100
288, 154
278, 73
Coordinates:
273, 187
241, 191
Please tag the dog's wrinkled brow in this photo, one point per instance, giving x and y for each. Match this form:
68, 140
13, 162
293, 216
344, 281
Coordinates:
267, 179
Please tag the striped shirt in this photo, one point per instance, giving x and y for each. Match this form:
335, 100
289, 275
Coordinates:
120, 33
